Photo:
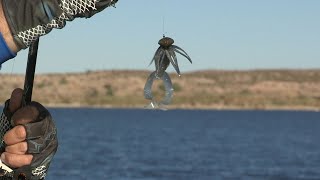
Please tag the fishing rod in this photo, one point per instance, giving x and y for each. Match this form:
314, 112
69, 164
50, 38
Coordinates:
28, 83
30, 71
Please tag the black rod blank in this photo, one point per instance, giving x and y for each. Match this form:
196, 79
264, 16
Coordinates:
30, 72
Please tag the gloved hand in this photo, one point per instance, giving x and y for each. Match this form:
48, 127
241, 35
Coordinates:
30, 19
28, 139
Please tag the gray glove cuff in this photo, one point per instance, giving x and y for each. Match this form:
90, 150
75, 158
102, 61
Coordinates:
5, 124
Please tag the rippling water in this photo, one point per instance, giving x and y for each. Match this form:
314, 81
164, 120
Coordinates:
136, 144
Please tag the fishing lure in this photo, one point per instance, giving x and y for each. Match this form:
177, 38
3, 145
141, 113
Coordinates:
164, 55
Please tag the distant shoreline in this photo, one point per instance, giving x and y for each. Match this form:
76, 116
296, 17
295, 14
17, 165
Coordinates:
274, 89
57, 106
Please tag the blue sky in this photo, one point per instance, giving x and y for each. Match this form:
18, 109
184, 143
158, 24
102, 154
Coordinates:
228, 34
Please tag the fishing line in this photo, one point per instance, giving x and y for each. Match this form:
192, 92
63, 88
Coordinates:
14, 60
163, 26
11, 73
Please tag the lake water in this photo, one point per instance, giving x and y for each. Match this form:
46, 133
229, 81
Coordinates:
132, 144
137, 144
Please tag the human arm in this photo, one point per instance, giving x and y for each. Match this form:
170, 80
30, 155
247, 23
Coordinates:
30, 19
5, 31
23, 21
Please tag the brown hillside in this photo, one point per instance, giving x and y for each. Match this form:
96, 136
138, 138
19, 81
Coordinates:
260, 89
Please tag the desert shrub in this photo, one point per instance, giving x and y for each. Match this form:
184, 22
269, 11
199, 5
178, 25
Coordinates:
109, 90
63, 80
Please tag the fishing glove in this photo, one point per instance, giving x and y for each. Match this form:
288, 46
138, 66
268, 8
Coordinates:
30, 19
42, 144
